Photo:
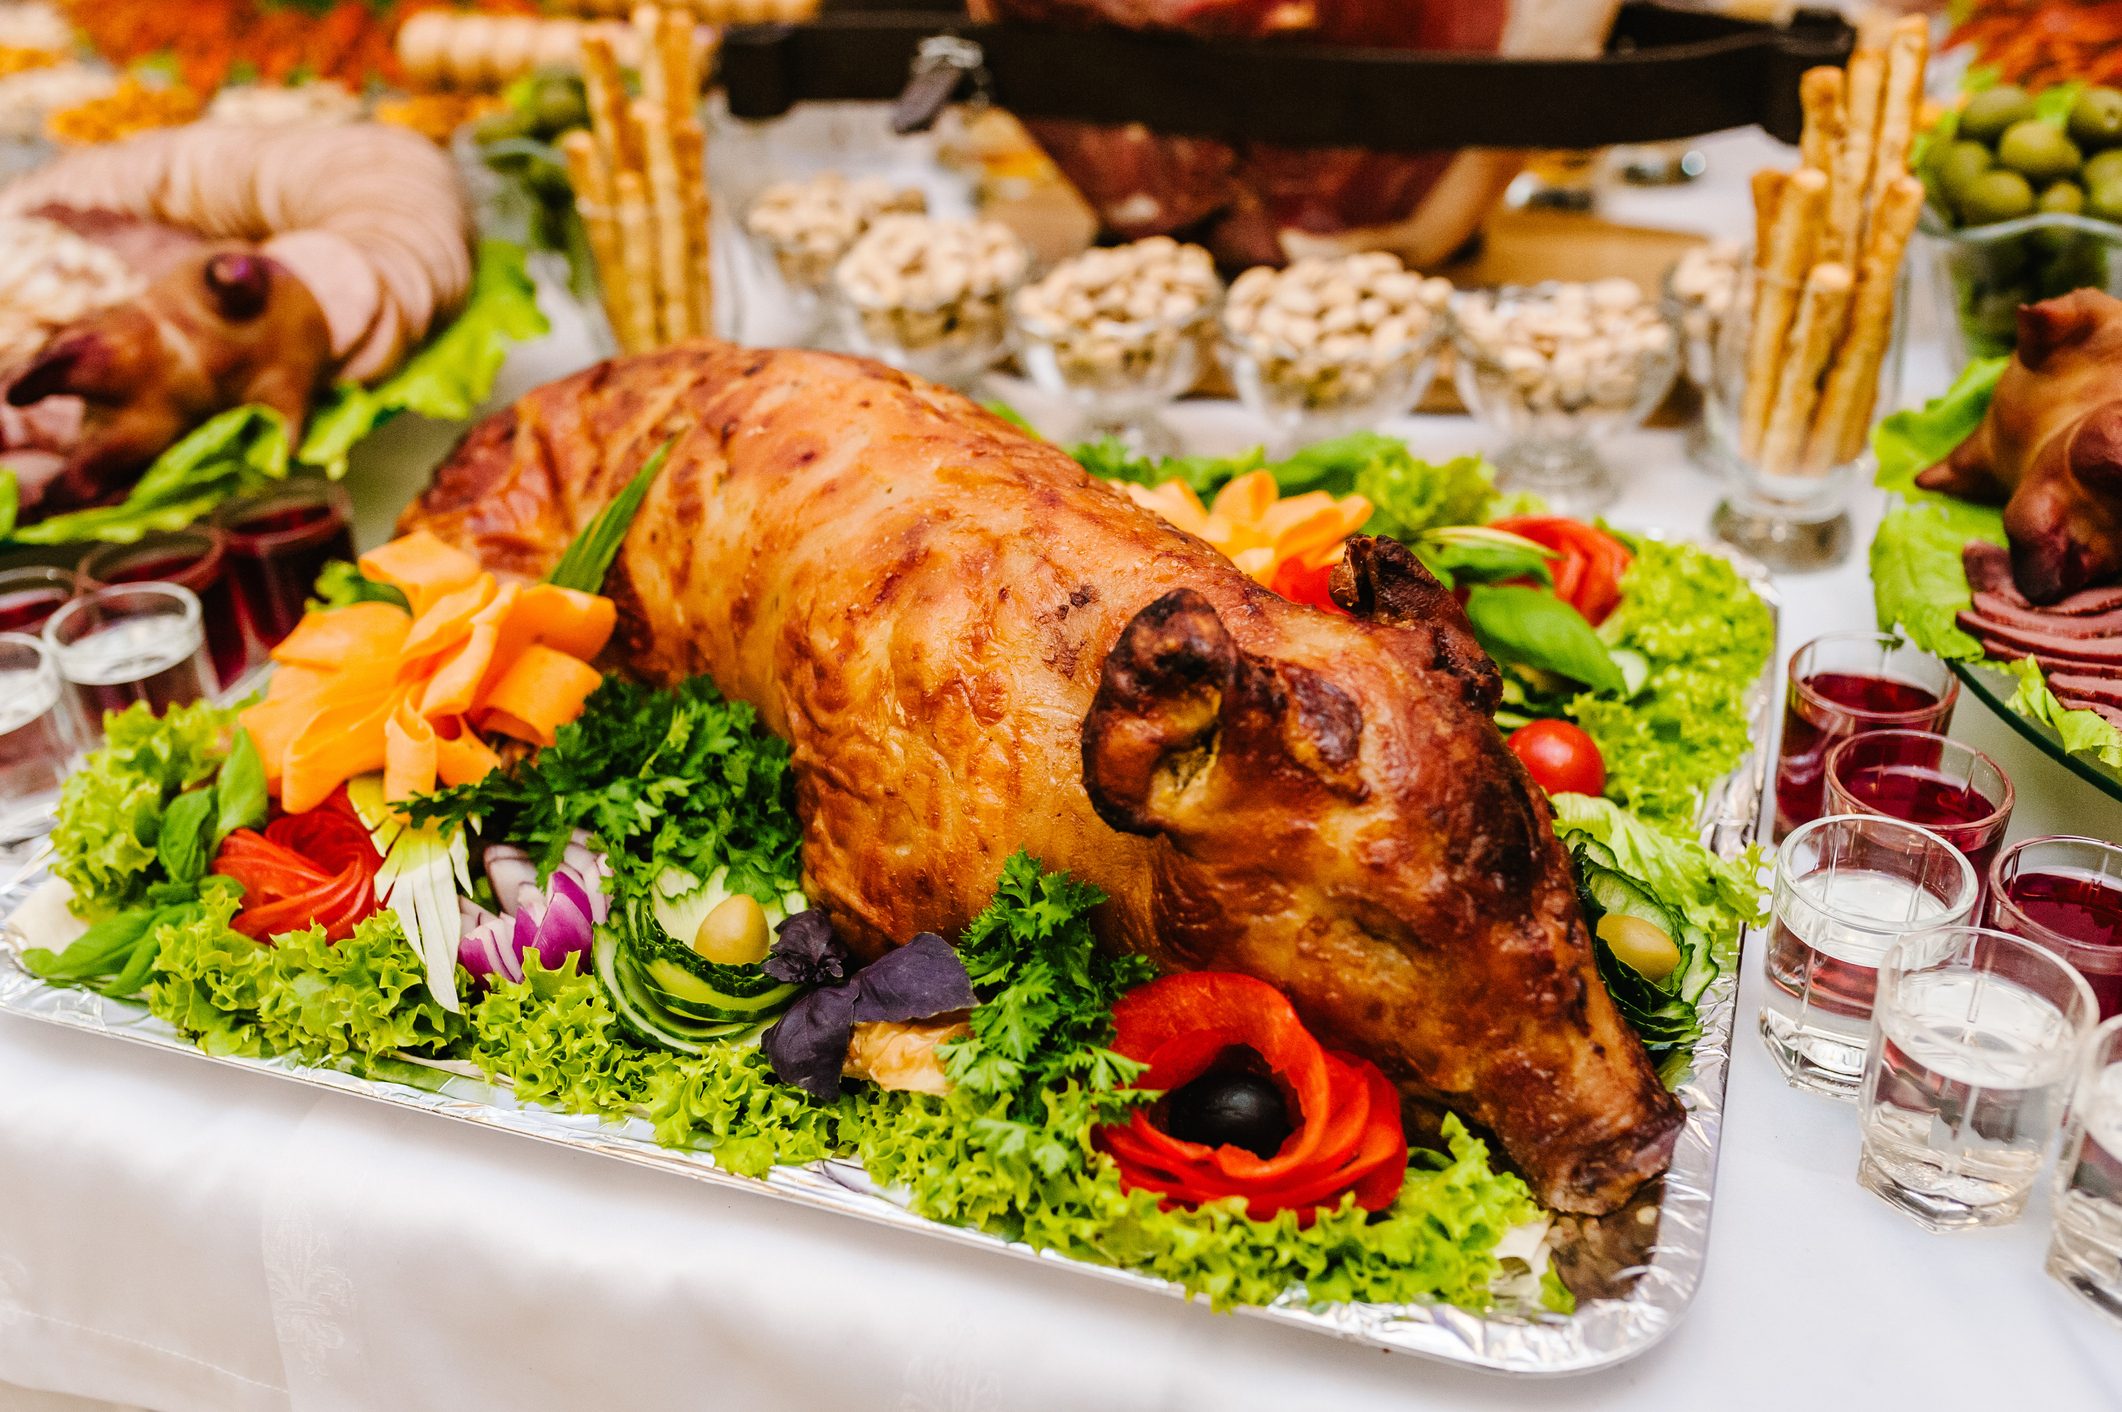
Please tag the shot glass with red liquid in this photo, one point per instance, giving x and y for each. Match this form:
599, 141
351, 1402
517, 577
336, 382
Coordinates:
277, 544
1954, 790
2065, 893
195, 559
1845, 684
30, 595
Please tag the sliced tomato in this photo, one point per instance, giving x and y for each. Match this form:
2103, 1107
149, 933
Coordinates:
1589, 561
316, 868
1299, 582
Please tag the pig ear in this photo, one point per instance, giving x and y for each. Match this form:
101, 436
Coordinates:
1152, 729
2055, 324
1380, 580
1188, 728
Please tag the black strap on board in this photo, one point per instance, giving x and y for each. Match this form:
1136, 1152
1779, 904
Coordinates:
1665, 74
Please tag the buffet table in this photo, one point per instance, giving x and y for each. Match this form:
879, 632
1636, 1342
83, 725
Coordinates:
182, 1236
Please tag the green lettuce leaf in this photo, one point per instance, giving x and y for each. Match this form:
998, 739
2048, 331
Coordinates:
111, 810
1912, 441
553, 1034
2082, 732
1718, 895
450, 376
333, 1003
1407, 495
235, 453
1918, 583
1706, 638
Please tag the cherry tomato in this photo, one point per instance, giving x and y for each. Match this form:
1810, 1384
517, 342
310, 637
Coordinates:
1590, 563
1560, 758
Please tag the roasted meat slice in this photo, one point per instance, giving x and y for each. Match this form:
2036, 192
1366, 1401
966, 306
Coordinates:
973, 647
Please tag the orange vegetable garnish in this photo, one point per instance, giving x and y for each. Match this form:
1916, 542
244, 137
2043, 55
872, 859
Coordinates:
1275, 541
372, 687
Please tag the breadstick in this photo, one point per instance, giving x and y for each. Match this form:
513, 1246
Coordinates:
1790, 253
648, 43
674, 266
595, 202
1768, 189
1863, 89
638, 236
1845, 412
1820, 93
1822, 306
1906, 55
605, 93
691, 143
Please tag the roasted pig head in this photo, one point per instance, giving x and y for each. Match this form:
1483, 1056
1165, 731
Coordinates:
1390, 867
2050, 447
221, 327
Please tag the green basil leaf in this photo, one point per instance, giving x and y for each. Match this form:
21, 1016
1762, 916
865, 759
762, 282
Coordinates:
240, 793
183, 845
586, 561
1485, 557
1533, 628
96, 952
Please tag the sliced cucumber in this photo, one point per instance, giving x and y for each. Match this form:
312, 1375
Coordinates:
685, 993
640, 1014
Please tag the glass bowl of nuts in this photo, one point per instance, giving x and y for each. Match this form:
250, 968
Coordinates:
1558, 368
930, 297
1118, 332
1332, 345
801, 229
1697, 295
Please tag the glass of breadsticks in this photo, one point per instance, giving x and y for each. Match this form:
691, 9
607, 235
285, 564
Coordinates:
1802, 354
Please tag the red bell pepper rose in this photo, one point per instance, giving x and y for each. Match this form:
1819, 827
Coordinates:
1347, 1136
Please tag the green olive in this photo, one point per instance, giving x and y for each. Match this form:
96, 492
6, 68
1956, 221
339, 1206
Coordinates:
734, 934
2063, 198
1957, 165
1996, 196
2104, 203
2038, 151
1641, 946
2100, 168
2096, 118
1992, 110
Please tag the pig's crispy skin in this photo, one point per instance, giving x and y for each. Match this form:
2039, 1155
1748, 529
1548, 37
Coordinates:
974, 647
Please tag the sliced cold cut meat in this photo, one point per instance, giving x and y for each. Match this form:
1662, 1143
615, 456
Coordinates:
341, 279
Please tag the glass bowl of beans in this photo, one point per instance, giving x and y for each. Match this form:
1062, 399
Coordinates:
1559, 368
1328, 346
1118, 332
930, 297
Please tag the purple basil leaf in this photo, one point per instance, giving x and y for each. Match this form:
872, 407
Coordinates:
806, 952
808, 1045
912, 982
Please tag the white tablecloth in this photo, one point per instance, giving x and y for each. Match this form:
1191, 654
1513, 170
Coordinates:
180, 1236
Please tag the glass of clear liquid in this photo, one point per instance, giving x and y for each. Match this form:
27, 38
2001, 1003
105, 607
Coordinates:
2085, 1250
37, 736
1847, 888
133, 642
1975, 1039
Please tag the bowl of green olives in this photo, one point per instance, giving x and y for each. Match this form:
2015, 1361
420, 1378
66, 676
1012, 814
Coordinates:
2024, 202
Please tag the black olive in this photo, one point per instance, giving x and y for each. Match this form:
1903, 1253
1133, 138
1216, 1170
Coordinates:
1233, 1107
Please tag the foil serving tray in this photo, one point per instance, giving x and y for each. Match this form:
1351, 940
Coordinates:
1634, 1271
